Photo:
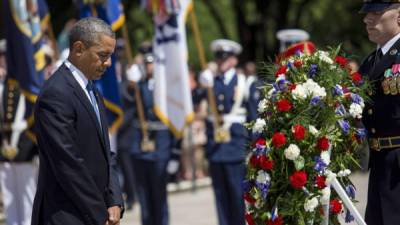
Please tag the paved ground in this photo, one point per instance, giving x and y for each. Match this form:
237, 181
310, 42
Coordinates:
198, 208
187, 208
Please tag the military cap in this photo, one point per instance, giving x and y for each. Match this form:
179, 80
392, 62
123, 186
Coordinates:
376, 5
224, 48
288, 37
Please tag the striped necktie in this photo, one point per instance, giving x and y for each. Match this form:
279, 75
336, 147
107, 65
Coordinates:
90, 90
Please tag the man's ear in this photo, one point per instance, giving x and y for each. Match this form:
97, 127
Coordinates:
78, 48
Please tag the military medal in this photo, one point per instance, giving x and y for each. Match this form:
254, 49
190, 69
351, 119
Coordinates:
148, 145
386, 81
222, 135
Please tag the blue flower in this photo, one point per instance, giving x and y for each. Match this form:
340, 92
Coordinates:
280, 85
313, 70
319, 164
290, 65
349, 218
337, 90
264, 188
344, 125
356, 98
340, 110
361, 133
351, 191
314, 100
298, 52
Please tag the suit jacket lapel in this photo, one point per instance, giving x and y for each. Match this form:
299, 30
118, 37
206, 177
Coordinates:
79, 92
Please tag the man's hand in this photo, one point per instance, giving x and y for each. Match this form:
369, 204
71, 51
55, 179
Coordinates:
114, 215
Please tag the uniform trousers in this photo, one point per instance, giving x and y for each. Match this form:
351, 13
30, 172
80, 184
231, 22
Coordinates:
18, 185
151, 188
227, 181
383, 205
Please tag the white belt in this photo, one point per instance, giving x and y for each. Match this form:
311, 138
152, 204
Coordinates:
229, 119
151, 125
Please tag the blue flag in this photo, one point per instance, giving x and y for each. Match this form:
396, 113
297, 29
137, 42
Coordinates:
25, 58
112, 12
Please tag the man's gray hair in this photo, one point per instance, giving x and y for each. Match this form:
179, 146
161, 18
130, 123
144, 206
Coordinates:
88, 30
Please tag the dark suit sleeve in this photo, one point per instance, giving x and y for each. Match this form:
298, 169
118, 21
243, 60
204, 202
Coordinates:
55, 118
114, 197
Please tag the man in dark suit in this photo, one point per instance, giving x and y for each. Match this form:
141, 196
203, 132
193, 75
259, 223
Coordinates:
381, 116
77, 180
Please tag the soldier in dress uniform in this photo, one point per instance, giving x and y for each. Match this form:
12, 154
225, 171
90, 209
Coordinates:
226, 136
381, 116
151, 148
18, 169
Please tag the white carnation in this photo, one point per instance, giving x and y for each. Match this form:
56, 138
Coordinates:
326, 194
270, 92
355, 110
344, 173
314, 89
263, 177
259, 125
324, 56
262, 106
313, 130
292, 152
311, 204
299, 92
325, 157
330, 176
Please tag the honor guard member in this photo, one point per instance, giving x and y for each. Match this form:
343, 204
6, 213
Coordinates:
18, 170
151, 143
124, 137
227, 137
381, 115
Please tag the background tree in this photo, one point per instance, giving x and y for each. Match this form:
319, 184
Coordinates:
253, 23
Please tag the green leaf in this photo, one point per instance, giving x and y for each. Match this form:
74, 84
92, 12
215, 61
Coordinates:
299, 163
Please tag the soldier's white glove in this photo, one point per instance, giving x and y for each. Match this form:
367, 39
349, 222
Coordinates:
133, 73
173, 166
206, 78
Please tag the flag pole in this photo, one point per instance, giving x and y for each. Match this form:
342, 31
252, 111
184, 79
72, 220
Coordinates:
202, 57
138, 95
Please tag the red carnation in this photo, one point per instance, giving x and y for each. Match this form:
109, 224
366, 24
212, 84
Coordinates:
356, 77
323, 144
281, 70
249, 219
335, 206
277, 221
342, 61
297, 63
298, 132
278, 139
248, 198
298, 179
261, 141
283, 105
320, 182
292, 87
265, 163
254, 161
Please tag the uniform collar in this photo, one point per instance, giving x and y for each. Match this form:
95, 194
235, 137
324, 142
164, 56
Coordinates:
386, 47
229, 75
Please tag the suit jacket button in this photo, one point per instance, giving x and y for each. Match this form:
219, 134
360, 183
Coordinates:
370, 93
220, 107
370, 112
221, 97
373, 130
